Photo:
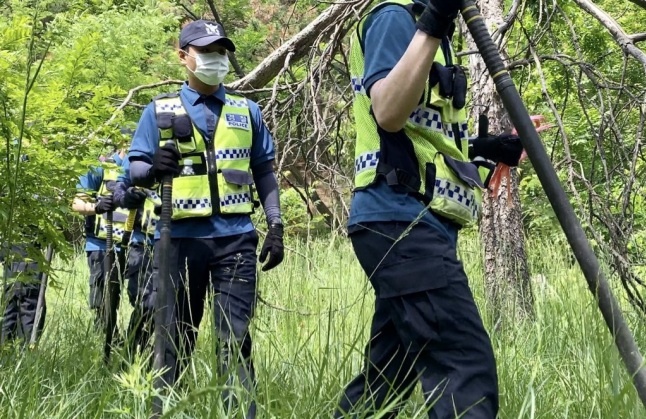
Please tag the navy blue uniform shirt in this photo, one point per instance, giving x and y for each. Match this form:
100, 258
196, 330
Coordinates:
387, 34
204, 111
90, 183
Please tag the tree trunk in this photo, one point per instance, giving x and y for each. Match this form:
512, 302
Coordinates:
507, 280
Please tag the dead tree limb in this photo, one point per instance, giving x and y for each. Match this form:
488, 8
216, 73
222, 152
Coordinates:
637, 37
136, 89
125, 103
299, 45
617, 32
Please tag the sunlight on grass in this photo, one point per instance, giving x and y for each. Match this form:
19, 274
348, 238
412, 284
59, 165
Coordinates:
310, 328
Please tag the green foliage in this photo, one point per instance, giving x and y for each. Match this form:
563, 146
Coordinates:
589, 58
563, 365
297, 220
63, 71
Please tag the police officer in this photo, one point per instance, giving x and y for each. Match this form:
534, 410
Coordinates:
139, 267
414, 189
94, 200
220, 144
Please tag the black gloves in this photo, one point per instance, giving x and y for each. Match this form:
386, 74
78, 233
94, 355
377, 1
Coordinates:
438, 16
133, 198
504, 148
104, 204
272, 246
166, 161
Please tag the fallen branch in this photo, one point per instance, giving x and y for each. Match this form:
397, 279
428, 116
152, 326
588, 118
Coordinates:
637, 37
299, 45
126, 101
615, 29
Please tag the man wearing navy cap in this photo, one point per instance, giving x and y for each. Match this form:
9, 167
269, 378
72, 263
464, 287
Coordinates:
221, 147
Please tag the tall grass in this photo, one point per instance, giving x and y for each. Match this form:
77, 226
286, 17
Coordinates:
309, 332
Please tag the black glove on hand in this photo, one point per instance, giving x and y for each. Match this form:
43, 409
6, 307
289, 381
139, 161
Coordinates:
104, 204
272, 246
504, 148
438, 16
166, 161
133, 198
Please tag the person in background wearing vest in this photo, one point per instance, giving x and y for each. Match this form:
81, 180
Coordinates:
220, 144
415, 187
139, 267
94, 200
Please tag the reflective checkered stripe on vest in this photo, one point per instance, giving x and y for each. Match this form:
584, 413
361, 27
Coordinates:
119, 216
149, 218
434, 131
196, 195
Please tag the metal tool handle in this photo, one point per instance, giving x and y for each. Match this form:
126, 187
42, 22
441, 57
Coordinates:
163, 287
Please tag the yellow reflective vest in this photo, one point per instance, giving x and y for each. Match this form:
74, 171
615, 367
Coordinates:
428, 158
222, 180
120, 216
149, 217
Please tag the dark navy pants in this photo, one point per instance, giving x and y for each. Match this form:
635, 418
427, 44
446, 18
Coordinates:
139, 271
227, 267
97, 275
426, 328
133, 264
20, 299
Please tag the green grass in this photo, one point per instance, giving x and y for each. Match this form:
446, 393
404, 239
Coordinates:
309, 343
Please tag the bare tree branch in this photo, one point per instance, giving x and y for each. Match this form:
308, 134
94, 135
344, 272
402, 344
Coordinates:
637, 37
127, 100
615, 30
499, 33
189, 12
299, 45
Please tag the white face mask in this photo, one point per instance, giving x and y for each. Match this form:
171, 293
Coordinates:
211, 67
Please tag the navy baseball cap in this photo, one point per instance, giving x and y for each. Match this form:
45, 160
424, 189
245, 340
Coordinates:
203, 32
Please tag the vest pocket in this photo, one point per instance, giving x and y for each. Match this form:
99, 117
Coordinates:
119, 218
234, 188
191, 197
466, 171
456, 190
448, 86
